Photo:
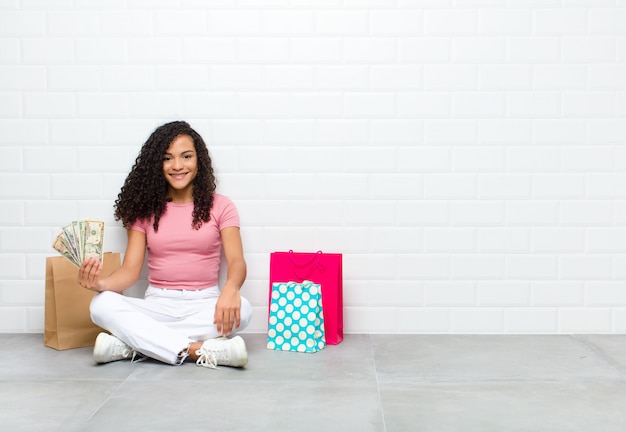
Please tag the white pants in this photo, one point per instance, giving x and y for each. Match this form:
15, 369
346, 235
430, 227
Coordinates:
165, 322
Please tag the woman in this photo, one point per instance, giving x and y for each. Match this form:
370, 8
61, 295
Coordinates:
170, 209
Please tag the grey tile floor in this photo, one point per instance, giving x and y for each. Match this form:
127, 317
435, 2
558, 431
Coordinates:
368, 383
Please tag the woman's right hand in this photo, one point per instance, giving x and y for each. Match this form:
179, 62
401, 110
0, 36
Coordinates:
89, 275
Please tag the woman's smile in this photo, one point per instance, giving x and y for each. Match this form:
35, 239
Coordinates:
178, 176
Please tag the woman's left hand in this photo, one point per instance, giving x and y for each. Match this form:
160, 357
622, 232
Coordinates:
228, 311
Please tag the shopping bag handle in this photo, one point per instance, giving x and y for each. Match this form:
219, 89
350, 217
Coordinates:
310, 263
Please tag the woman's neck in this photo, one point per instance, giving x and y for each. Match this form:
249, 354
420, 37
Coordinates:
179, 198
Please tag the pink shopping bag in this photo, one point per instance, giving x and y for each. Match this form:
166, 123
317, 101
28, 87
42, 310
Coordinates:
321, 268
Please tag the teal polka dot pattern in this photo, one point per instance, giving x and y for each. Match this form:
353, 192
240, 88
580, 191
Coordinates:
296, 321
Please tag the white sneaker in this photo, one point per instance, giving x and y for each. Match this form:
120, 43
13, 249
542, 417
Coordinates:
224, 352
108, 348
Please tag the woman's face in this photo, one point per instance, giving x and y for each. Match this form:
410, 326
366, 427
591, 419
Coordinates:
180, 167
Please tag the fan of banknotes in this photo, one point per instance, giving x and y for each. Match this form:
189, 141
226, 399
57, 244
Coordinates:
80, 240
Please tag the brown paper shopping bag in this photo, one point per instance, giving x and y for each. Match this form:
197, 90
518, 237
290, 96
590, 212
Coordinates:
67, 320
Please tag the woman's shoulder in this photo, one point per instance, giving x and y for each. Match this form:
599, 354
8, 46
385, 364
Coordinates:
225, 210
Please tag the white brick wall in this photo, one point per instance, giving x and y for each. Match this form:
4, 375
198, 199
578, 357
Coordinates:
467, 157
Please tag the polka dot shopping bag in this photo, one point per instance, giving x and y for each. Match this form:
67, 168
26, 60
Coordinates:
296, 318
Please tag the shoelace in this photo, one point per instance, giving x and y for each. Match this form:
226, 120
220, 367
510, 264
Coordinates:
138, 359
209, 356
206, 359
120, 349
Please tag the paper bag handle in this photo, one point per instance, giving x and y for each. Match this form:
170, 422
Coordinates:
311, 263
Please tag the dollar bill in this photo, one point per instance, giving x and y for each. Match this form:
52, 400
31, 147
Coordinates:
62, 247
94, 239
81, 234
77, 237
70, 239
81, 240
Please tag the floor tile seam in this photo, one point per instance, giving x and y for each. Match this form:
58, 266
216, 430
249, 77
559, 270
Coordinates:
602, 356
588, 380
62, 379
258, 382
112, 394
377, 380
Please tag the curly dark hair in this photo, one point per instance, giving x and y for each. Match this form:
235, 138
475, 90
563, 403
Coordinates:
144, 193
